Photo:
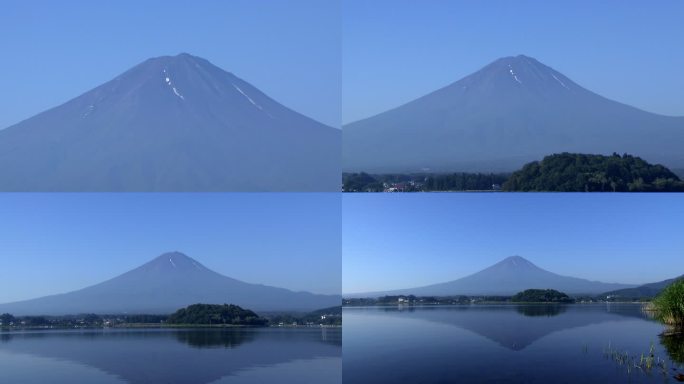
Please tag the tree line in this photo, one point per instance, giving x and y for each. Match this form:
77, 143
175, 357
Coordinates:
564, 172
422, 182
196, 314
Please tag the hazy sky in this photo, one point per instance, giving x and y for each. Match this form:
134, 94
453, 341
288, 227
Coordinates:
397, 50
55, 50
393, 241
55, 242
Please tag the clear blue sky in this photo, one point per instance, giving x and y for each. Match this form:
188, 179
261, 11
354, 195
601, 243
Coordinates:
54, 243
397, 50
53, 51
393, 241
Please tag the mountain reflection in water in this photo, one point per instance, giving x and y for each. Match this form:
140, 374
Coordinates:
177, 355
503, 343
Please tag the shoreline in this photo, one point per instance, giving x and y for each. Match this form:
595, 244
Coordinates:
162, 326
495, 303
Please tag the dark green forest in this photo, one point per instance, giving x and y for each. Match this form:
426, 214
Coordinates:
541, 296
573, 172
228, 314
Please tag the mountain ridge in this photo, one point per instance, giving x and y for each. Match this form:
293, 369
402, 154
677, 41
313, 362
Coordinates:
504, 278
168, 282
512, 111
170, 123
648, 290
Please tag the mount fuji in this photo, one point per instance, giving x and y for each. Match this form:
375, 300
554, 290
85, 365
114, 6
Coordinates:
507, 277
171, 123
165, 284
512, 111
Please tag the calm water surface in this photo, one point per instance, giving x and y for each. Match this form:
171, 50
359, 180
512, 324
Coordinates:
503, 344
198, 356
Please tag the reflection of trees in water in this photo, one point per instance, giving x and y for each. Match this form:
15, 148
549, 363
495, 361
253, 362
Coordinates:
234, 337
545, 310
228, 338
674, 345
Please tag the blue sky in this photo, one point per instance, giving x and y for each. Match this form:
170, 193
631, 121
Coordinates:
365, 56
55, 50
397, 50
393, 241
53, 243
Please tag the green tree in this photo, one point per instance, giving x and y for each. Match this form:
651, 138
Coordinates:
576, 172
541, 296
637, 185
669, 306
215, 314
6, 319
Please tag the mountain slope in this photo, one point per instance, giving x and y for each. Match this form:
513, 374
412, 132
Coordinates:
170, 124
165, 284
507, 277
643, 291
510, 112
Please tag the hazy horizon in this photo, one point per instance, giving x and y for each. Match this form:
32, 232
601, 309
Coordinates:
290, 51
56, 243
395, 52
397, 241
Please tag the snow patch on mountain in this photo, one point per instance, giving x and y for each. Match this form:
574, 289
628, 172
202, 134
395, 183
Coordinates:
558, 80
247, 97
513, 74
170, 84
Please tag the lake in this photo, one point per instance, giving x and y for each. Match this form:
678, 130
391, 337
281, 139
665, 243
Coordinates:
198, 356
506, 343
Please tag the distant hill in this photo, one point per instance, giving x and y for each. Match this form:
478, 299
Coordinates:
171, 123
646, 291
336, 310
541, 296
227, 314
165, 284
506, 278
512, 111
575, 172
324, 316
